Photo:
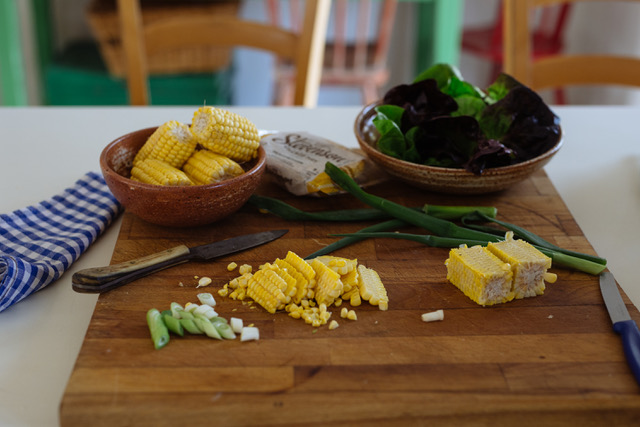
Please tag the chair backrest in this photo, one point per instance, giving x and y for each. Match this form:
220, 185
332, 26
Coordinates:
354, 44
558, 70
304, 49
549, 26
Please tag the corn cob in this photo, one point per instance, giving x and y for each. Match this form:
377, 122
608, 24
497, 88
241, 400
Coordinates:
291, 288
371, 287
340, 265
206, 167
305, 289
302, 284
226, 133
266, 288
328, 283
156, 172
529, 266
172, 143
480, 275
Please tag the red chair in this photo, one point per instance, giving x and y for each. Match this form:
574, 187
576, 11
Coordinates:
548, 39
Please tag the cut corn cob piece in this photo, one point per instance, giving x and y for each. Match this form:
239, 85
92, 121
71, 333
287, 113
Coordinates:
266, 288
172, 143
226, 133
291, 288
206, 167
156, 172
371, 287
480, 275
328, 283
302, 284
340, 265
529, 265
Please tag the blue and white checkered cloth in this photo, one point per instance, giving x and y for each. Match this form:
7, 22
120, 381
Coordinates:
39, 243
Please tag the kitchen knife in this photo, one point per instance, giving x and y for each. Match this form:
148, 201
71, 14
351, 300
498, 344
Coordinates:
622, 322
102, 279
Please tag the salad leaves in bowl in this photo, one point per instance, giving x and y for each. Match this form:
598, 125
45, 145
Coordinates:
444, 134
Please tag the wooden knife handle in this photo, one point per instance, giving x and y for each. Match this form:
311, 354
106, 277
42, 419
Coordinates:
102, 279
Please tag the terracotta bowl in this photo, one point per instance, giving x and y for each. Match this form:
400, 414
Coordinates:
444, 180
175, 206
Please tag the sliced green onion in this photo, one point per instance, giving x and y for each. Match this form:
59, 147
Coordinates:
207, 327
173, 324
157, 328
207, 298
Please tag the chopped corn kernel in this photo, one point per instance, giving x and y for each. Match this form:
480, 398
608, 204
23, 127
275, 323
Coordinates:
232, 266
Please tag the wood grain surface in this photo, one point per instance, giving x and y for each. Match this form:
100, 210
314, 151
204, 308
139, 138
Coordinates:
548, 360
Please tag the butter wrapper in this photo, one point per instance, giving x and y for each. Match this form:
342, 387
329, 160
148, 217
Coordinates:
297, 160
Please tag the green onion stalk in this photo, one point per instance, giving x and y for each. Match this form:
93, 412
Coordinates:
448, 234
291, 213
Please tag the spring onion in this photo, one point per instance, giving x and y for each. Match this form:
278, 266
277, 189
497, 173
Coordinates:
533, 238
291, 213
157, 328
207, 298
173, 324
558, 258
353, 238
249, 333
437, 226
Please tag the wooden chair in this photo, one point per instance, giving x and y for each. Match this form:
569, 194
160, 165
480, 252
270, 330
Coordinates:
558, 70
358, 60
304, 49
547, 34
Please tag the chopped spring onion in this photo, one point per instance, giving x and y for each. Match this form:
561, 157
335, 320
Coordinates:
433, 316
250, 333
157, 328
236, 325
207, 298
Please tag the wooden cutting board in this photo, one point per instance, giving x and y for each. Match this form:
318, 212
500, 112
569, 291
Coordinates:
548, 360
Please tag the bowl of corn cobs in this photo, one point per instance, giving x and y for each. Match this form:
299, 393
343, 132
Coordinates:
181, 175
443, 134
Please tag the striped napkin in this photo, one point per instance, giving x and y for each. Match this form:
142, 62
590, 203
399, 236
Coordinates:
39, 243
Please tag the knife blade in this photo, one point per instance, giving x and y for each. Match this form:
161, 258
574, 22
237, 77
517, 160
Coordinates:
102, 279
622, 322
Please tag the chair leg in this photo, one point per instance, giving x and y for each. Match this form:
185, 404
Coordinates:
284, 92
370, 93
560, 96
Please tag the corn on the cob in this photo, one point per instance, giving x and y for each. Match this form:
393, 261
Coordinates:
291, 288
172, 143
266, 288
156, 172
302, 284
206, 167
340, 265
328, 283
480, 275
226, 133
529, 266
371, 287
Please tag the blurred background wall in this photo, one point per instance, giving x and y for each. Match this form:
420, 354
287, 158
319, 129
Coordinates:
593, 27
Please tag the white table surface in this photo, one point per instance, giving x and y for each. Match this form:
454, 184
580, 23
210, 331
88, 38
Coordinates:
44, 150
